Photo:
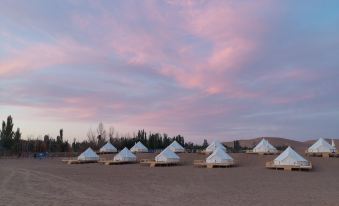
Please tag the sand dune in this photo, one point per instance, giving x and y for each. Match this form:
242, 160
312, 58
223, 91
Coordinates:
51, 182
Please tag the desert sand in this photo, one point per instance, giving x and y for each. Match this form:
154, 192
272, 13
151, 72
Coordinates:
51, 182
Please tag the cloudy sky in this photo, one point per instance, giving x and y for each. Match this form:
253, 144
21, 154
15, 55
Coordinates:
204, 69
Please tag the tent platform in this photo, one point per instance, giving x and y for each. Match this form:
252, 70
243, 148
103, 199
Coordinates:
204, 153
113, 162
140, 152
261, 153
153, 163
271, 165
322, 154
102, 153
75, 161
202, 163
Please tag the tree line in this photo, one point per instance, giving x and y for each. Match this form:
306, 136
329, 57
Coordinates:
11, 142
153, 141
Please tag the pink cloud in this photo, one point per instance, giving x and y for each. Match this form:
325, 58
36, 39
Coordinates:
43, 55
224, 26
184, 116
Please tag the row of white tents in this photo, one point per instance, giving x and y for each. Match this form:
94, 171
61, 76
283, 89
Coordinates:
290, 157
123, 155
139, 147
216, 150
320, 146
127, 155
109, 148
218, 155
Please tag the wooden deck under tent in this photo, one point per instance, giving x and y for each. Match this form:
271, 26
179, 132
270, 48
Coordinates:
262, 153
76, 161
153, 163
103, 153
322, 154
271, 165
114, 162
203, 163
203, 153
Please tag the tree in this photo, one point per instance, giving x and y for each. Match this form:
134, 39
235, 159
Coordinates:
17, 141
101, 130
60, 141
91, 138
75, 145
111, 132
47, 142
180, 139
61, 132
101, 134
205, 144
236, 146
6, 133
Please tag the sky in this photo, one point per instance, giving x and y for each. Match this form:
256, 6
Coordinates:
210, 69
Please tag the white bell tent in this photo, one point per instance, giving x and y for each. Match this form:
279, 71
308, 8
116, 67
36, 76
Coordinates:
108, 148
219, 156
264, 147
176, 147
88, 155
290, 157
321, 146
167, 155
125, 155
139, 147
213, 146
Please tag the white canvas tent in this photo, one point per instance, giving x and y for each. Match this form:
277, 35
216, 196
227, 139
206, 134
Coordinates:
321, 146
88, 155
333, 145
176, 147
219, 156
264, 147
167, 155
125, 155
108, 148
290, 158
213, 146
139, 147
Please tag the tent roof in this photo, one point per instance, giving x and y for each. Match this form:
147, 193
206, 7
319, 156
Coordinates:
125, 153
139, 145
289, 152
176, 145
88, 153
169, 154
321, 142
108, 146
215, 144
264, 143
219, 152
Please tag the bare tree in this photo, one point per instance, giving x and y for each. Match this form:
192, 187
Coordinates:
91, 137
101, 134
101, 130
111, 132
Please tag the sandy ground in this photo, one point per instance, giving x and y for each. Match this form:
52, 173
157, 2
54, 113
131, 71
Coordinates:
51, 182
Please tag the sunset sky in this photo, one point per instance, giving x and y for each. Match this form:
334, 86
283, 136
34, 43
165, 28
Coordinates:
204, 69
